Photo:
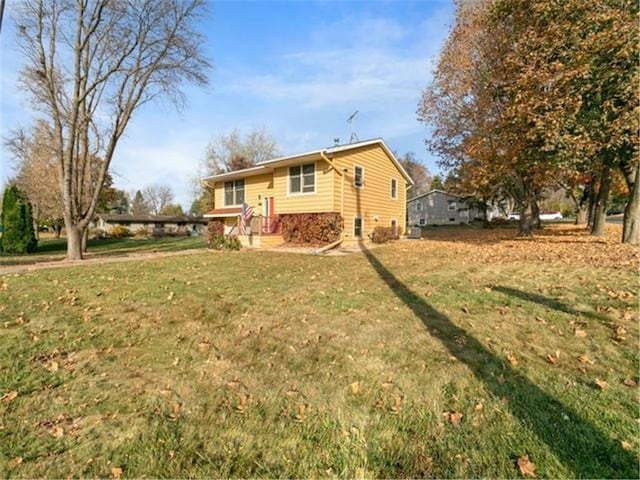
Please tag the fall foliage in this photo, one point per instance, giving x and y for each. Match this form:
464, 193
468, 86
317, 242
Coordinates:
529, 94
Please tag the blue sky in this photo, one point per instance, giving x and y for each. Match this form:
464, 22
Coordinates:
297, 68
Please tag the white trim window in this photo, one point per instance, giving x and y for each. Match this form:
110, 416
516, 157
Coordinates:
302, 179
418, 206
422, 222
358, 227
394, 188
358, 176
452, 205
233, 193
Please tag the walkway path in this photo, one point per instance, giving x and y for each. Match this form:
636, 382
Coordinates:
97, 260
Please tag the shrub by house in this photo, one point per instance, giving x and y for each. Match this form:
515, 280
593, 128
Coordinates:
18, 235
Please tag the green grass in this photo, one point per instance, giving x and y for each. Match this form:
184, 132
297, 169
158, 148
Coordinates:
262, 364
54, 249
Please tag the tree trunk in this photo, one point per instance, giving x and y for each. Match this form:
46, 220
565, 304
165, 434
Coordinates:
582, 214
74, 243
591, 209
85, 237
36, 215
600, 207
527, 219
582, 206
535, 212
485, 217
631, 228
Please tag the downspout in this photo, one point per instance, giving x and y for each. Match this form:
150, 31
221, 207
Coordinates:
330, 162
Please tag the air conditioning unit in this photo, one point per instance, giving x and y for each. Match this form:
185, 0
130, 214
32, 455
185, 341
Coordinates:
414, 233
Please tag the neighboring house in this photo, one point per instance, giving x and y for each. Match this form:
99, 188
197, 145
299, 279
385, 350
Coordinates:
164, 223
438, 207
362, 181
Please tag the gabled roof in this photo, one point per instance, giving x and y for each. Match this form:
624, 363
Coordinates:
122, 217
267, 165
223, 212
434, 191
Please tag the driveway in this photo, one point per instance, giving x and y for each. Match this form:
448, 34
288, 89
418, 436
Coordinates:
616, 219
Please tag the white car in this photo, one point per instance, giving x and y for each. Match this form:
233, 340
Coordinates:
551, 216
513, 216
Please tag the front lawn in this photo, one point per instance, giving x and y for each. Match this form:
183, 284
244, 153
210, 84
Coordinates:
453, 356
54, 249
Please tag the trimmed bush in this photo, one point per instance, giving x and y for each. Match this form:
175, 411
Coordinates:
18, 235
311, 228
385, 234
215, 228
120, 232
225, 242
143, 232
99, 234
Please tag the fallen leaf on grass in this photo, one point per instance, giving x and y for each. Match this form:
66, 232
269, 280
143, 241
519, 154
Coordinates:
553, 359
53, 366
57, 432
585, 359
202, 346
600, 383
15, 462
579, 333
395, 408
302, 408
465, 310
527, 467
355, 387
242, 403
479, 407
453, 417
170, 296
630, 382
512, 359
626, 445
7, 397
501, 379
116, 472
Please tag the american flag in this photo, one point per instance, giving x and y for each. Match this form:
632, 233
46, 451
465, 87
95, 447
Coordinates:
245, 219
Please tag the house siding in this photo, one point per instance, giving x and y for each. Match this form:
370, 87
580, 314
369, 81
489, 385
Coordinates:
319, 201
255, 188
435, 210
372, 202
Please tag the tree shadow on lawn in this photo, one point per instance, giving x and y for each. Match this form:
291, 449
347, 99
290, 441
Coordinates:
548, 302
578, 444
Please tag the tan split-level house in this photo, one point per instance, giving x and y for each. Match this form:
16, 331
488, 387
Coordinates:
362, 181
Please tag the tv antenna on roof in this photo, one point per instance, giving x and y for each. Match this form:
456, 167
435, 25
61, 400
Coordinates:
354, 135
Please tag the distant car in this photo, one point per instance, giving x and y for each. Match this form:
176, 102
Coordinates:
551, 216
513, 216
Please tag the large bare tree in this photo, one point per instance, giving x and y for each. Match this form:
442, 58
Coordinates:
157, 197
89, 65
233, 151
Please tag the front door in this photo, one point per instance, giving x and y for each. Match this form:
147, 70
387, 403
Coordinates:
268, 215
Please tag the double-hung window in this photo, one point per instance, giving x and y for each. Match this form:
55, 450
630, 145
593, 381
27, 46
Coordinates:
452, 205
358, 176
302, 178
394, 189
234, 192
357, 227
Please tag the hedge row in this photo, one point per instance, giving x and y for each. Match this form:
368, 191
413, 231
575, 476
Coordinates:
311, 228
